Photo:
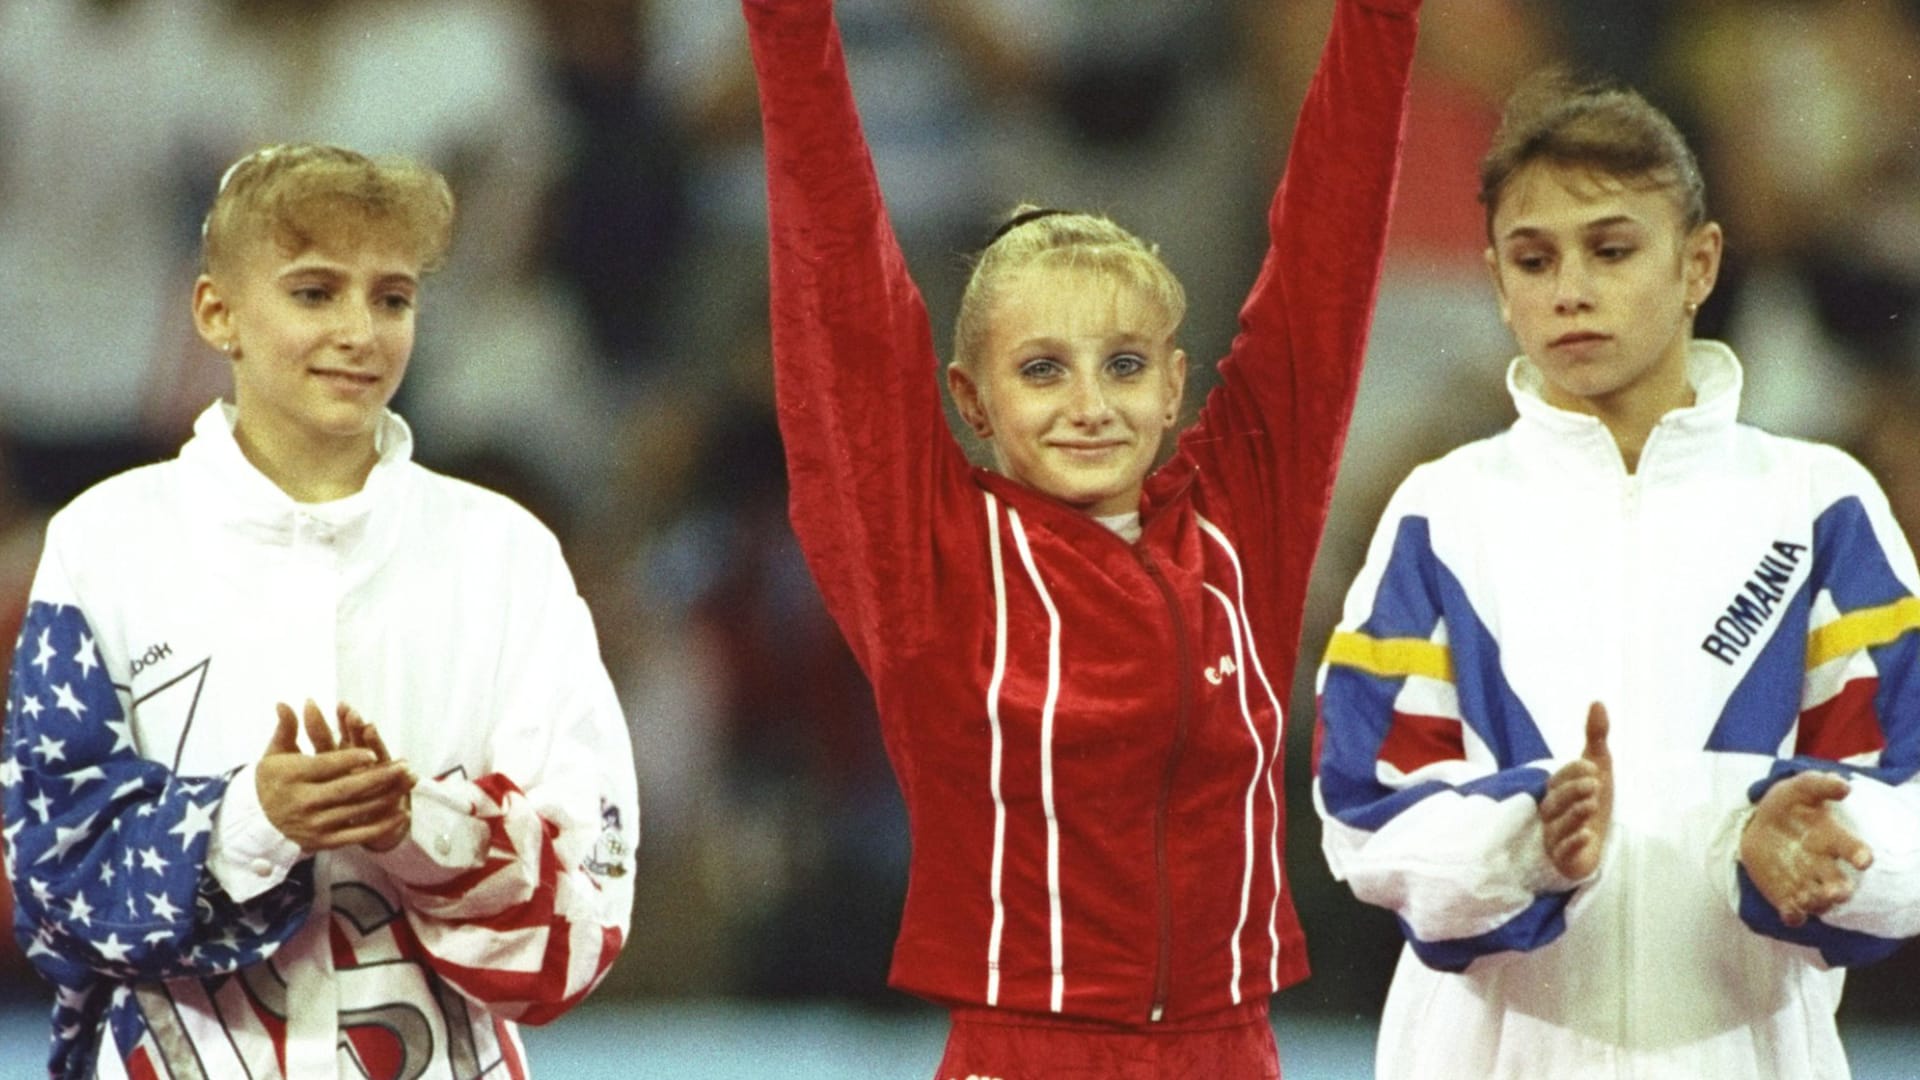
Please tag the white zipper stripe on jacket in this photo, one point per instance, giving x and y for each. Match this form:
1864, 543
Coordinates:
1253, 788
1279, 731
993, 769
1054, 920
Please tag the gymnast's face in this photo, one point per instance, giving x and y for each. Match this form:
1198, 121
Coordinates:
1598, 279
1075, 385
319, 338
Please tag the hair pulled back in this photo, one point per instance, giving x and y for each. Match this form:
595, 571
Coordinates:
1033, 236
1611, 131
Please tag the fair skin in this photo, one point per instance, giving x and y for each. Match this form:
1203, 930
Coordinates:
1578, 805
348, 792
1598, 280
1075, 387
318, 340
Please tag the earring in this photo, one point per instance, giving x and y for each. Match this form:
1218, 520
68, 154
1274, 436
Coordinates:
227, 347
1693, 308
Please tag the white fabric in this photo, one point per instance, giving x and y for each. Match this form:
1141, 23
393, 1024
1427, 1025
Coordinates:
445, 615
1598, 584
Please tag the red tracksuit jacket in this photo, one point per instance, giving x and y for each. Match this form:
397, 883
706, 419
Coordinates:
1087, 732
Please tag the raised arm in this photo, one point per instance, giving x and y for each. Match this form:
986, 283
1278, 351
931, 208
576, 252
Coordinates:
1429, 771
1288, 383
854, 364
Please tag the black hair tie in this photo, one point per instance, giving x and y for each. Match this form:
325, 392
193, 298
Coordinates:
1018, 220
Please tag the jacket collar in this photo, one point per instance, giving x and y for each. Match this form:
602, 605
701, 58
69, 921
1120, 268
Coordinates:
236, 497
1682, 439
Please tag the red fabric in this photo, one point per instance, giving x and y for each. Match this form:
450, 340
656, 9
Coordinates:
1235, 1045
1844, 725
1414, 742
1156, 769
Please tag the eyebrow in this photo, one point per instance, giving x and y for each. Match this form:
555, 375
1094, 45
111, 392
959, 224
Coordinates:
1528, 232
334, 273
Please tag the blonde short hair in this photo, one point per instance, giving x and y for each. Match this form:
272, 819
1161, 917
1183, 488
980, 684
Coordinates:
1034, 236
297, 194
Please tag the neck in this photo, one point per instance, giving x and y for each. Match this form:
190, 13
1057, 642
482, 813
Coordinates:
309, 471
1631, 412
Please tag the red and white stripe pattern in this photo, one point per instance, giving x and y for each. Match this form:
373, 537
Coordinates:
1266, 763
527, 933
1056, 922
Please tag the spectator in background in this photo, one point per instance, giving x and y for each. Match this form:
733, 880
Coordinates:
619, 228
1808, 112
98, 103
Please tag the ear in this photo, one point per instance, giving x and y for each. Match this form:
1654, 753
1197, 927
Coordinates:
1700, 263
213, 316
1492, 259
967, 398
1176, 393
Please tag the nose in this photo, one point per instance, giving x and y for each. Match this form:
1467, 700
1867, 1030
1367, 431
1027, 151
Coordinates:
1088, 405
354, 329
1572, 291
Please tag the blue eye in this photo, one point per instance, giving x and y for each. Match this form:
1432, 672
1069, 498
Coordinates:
1043, 368
1127, 364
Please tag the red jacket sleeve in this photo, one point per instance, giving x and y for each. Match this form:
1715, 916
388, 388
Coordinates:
1273, 429
854, 365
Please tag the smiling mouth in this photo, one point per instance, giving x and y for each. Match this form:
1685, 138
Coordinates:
1087, 449
355, 378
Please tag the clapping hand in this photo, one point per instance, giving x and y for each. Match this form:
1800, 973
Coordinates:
347, 792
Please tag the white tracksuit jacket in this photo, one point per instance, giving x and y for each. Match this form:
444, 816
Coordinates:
1745, 607
174, 606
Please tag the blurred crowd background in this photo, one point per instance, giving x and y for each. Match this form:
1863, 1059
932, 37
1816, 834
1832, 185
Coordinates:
598, 349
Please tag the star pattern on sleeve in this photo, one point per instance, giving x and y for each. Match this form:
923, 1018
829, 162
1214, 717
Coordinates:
107, 849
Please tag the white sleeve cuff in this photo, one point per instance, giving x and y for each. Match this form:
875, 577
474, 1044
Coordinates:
246, 854
447, 837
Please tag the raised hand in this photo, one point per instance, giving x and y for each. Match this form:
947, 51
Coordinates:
336, 797
1578, 805
1796, 852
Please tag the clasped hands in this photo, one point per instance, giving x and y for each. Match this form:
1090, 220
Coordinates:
348, 791
1792, 846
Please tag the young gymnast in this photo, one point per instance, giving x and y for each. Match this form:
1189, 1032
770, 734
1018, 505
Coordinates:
1078, 657
206, 909
1622, 718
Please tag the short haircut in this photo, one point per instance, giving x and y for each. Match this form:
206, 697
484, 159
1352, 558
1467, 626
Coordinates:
299, 194
1611, 131
1033, 236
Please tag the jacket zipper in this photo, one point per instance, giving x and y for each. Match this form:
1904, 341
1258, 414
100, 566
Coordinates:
1163, 962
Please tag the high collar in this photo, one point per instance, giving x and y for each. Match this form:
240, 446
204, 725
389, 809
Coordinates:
234, 495
1582, 446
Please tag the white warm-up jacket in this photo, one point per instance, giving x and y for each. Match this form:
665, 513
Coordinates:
175, 605
1744, 606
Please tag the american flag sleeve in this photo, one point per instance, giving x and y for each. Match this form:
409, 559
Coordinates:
519, 883
106, 850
